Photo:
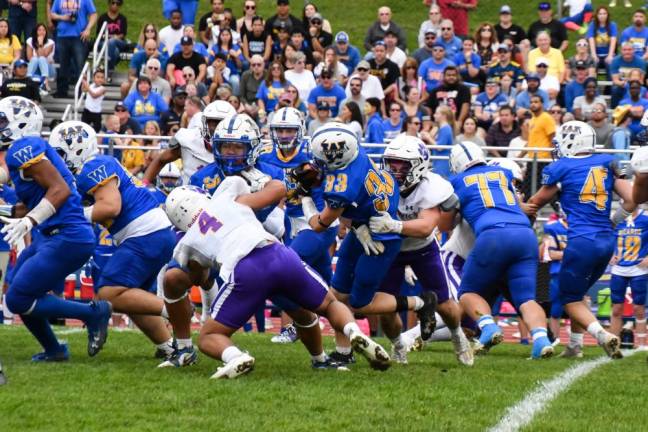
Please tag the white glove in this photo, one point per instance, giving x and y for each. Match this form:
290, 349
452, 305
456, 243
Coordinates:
410, 276
370, 246
15, 229
255, 178
385, 224
234, 186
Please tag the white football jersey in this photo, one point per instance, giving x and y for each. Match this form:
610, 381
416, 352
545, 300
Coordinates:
431, 191
192, 150
461, 241
224, 233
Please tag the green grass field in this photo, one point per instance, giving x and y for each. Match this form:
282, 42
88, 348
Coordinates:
122, 389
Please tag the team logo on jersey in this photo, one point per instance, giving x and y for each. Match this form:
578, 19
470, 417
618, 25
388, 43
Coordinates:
24, 155
98, 175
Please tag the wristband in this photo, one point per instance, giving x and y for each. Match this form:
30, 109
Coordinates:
43, 210
4, 175
87, 213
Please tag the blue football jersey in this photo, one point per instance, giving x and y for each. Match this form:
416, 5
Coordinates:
487, 198
558, 231
105, 245
272, 155
136, 198
632, 240
363, 190
8, 195
28, 151
586, 186
210, 176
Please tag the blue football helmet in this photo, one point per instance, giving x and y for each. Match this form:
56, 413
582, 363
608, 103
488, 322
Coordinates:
236, 129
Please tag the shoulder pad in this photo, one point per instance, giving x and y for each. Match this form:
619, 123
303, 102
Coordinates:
639, 161
516, 64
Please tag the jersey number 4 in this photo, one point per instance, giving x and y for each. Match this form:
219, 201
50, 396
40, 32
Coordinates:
207, 223
484, 182
594, 190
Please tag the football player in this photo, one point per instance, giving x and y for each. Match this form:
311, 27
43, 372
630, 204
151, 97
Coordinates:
138, 226
422, 195
356, 189
46, 188
505, 245
554, 243
235, 141
630, 268
639, 164
586, 182
223, 232
290, 152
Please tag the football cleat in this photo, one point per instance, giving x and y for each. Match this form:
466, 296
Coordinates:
328, 364
427, 314
491, 335
186, 356
344, 359
98, 331
610, 343
237, 367
63, 354
462, 349
572, 352
542, 348
374, 353
399, 353
287, 335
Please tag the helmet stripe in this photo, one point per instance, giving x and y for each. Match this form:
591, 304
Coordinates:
283, 117
230, 126
335, 129
466, 151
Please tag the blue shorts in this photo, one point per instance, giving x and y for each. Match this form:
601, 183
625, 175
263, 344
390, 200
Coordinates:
138, 260
509, 251
42, 267
554, 297
638, 284
313, 249
360, 275
584, 262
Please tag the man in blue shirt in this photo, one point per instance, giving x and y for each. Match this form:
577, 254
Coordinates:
576, 87
523, 99
637, 34
431, 70
348, 54
488, 103
620, 69
328, 91
450, 42
75, 20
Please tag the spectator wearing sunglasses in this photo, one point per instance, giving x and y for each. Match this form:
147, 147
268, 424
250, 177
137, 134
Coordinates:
385, 70
186, 57
451, 43
370, 84
143, 104
327, 91
158, 84
425, 51
457, 12
319, 38
582, 55
347, 54
584, 105
250, 82
244, 24
378, 29
431, 70
433, 24
172, 116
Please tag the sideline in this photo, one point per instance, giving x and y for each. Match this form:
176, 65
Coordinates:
522, 413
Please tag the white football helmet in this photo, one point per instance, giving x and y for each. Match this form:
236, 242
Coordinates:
464, 155
639, 161
335, 145
19, 117
169, 177
510, 165
184, 204
408, 149
212, 115
75, 141
241, 129
574, 137
290, 119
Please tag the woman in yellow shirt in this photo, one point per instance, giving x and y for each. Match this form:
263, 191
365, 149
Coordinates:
9, 44
133, 159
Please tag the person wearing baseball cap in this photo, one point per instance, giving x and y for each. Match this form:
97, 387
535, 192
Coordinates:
546, 23
433, 23
186, 57
425, 52
319, 38
283, 14
523, 98
348, 54
507, 28
20, 84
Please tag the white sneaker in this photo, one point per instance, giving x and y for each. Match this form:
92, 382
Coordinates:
572, 352
399, 353
627, 3
612, 3
462, 349
555, 343
374, 353
239, 366
610, 343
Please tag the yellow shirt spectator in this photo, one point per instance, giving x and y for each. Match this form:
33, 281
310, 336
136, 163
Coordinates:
555, 61
542, 128
9, 49
133, 160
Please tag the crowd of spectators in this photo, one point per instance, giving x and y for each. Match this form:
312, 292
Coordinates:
500, 86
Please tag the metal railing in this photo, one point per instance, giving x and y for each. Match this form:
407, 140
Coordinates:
99, 58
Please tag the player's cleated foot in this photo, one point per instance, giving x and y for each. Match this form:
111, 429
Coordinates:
491, 335
328, 364
542, 348
344, 359
63, 354
237, 367
98, 329
287, 335
462, 349
610, 343
374, 353
186, 356
572, 352
399, 353
427, 314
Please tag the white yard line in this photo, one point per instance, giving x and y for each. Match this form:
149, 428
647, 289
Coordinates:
522, 413
68, 331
